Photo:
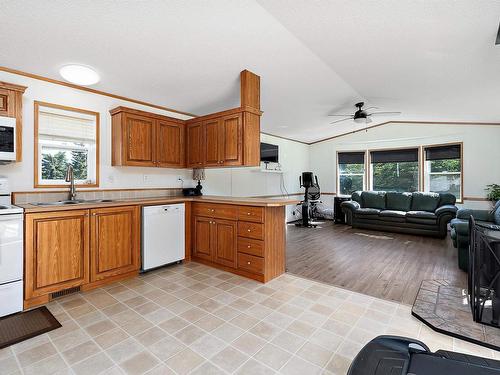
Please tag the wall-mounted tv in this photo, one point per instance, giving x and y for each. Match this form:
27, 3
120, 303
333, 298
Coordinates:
268, 153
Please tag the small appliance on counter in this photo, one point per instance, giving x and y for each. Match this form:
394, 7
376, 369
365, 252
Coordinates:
163, 238
11, 253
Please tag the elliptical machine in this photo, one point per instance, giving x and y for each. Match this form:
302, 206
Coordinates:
306, 181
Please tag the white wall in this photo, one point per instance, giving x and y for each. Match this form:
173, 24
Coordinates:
243, 182
481, 151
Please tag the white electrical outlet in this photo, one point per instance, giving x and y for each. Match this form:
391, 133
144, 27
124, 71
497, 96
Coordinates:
145, 178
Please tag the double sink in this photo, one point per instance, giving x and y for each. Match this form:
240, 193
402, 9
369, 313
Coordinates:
73, 202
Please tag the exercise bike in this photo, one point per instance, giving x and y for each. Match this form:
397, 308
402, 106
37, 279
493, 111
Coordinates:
311, 196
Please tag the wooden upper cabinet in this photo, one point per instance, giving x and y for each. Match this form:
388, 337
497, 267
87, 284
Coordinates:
115, 241
212, 136
194, 145
140, 139
11, 105
231, 139
170, 147
146, 139
57, 251
225, 244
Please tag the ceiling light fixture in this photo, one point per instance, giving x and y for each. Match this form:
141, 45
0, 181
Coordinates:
79, 74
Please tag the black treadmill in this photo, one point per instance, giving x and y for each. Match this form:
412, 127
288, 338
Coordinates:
394, 355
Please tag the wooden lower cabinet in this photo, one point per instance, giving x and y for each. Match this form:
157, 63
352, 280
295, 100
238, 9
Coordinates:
56, 252
115, 241
76, 248
251, 245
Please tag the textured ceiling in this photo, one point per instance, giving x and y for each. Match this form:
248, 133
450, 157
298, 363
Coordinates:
434, 60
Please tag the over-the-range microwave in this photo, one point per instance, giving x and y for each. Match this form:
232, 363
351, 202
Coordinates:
7, 138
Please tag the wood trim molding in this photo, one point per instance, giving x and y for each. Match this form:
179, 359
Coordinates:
145, 114
94, 91
13, 87
285, 138
36, 106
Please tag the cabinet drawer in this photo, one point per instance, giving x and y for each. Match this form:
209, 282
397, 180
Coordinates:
251, 263
251, 230
251, 246
222, 211
250, 213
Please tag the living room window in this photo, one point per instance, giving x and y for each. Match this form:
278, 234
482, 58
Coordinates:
443, 169
65, 136
394, 170
351, 172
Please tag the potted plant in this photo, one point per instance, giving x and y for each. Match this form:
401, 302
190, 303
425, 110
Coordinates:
493, 192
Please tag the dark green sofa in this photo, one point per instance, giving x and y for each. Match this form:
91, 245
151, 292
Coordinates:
414, 213
460, 229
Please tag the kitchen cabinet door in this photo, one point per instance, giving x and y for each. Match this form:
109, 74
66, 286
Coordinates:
203, 238
225, 243
194, 145
212, 143
57, 251
140, 140
231, 140
115, 241
170, 144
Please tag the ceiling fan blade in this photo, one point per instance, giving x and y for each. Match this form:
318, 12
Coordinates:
344, 119
365, 109
384, 113
340, 115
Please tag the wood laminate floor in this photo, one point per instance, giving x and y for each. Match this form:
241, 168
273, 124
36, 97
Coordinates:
381, 264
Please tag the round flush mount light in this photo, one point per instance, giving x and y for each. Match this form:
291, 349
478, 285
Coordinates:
79, 74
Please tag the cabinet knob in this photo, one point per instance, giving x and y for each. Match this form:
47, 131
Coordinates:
248, 262
248, 230
248, 213
213, 222
248, 247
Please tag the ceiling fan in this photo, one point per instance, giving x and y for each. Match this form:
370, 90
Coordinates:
362, 115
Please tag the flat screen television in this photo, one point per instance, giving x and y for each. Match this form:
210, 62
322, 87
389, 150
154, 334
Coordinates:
268, 153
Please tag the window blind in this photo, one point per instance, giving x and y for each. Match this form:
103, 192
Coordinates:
351, 157
394, 156
67, 126
443, 152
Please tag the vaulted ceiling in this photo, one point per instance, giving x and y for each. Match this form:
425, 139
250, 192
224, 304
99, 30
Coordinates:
433, 60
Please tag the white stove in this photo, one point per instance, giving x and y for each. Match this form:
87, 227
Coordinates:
11, 253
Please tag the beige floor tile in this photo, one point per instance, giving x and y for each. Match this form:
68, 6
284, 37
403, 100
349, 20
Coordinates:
248, 343
297, 366
151, 336
265, 330
301, 329
288, 341
93, 365
161, 369
253, 367
326, 339
8, 365
80, 352
244, 321
337, 327
100, 327
349, 349
147, 308
208, 345
279, 319
51, 365
208, 368
209, 323
70, 340
35, 354
124, 350
139, 363
229, 359
184, 361
338, 365
166, 348
227, 313
159, 316
189, 334
111, 338
273, 356
194, 314
315, 354
227, 332
173, 325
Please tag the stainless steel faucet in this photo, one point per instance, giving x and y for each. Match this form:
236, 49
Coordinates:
71, 178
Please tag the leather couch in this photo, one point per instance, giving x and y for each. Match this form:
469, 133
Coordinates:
460, 229
414, 213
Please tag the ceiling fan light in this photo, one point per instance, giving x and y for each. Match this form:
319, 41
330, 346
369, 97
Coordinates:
360, 120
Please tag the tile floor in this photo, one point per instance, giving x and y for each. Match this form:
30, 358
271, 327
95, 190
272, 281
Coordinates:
195, 319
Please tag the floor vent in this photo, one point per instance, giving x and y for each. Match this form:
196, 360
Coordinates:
65, 292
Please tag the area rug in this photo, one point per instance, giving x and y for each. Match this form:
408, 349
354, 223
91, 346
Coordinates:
25, 325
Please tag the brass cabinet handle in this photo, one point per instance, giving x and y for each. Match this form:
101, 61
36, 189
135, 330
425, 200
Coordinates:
248, 262
249, 213
248, 247
248, 230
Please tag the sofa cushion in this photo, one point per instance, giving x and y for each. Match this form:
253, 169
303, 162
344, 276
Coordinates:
393, 215
356, 196
446, 198
373, 212
373, 199
424, 201
421, 217
496, 213
398, 201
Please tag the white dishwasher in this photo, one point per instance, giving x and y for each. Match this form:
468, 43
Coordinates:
163, 240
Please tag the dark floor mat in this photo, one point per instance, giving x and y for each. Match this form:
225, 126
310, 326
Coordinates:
25, 325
